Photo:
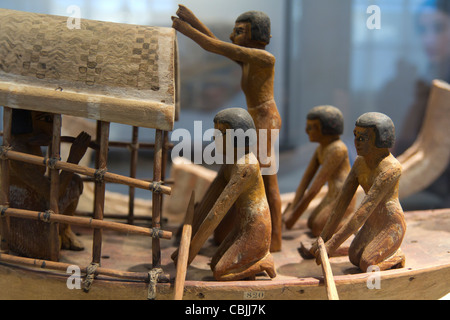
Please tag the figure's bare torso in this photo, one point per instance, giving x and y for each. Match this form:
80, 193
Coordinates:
389, 207
252, 202
338, 151
257, 82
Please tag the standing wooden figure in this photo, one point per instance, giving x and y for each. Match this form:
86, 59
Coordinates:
379, 218
329, 163
245, 251
250, 37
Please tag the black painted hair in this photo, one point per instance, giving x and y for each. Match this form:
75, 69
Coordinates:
383, 125
237, 118
260, 23
22, 122
330, 118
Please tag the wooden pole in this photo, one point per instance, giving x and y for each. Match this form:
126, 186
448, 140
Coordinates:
5, 180
165, 154
100, 187
183, 255
59, 266
120, 144
55, 155
166, 182
133, 168
115, 216
108, 177
86, 222
332, 293
156, 199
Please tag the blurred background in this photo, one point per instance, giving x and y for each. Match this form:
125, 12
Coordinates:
326, 54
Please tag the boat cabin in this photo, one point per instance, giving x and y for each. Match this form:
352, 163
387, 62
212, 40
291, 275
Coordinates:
106, 72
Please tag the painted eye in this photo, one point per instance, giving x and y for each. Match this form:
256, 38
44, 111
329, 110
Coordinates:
361, 139
46, 118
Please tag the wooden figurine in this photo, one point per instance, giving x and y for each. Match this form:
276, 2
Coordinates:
329, 164
245, 252
30, 187
379, 222
250, 37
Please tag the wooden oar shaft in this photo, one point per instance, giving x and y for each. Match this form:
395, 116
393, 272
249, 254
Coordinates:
327, 272
183, 253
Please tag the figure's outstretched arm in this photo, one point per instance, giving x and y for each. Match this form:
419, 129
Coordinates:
310, 171
206, 204
237, 184
188, 16
330, 164
382, 185
208, 200
345, 197
307, 178
229, 50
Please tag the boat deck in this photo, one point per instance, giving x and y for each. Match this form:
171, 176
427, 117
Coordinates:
427, 242
426, 275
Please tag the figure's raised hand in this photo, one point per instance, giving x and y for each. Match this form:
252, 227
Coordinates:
180, 25
175, 22
191, 21
315, 252
79, 147
185, 14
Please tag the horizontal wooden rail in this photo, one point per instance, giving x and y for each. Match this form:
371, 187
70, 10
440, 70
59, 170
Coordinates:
59, 266
85, 222
139, 145
115, 144
167, 182
107, 176
117, 216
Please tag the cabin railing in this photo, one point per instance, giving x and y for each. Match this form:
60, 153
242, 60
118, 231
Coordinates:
100, 175
134, 147
137, 85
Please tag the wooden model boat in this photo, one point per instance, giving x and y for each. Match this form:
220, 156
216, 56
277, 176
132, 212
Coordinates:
426, 275
133, 262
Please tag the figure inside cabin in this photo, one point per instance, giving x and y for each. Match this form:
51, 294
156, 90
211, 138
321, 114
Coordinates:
379, 222
250, 37
30, 186
238, 186
329, 164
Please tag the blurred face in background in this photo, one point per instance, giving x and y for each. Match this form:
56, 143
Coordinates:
434, 29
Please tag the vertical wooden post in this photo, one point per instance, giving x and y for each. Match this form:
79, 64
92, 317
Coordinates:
100, 187
156, 198
4, 190
133, 168
54, 186
164, 162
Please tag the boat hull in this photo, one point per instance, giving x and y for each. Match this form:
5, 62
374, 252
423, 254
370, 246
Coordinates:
426, 275
402, 284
